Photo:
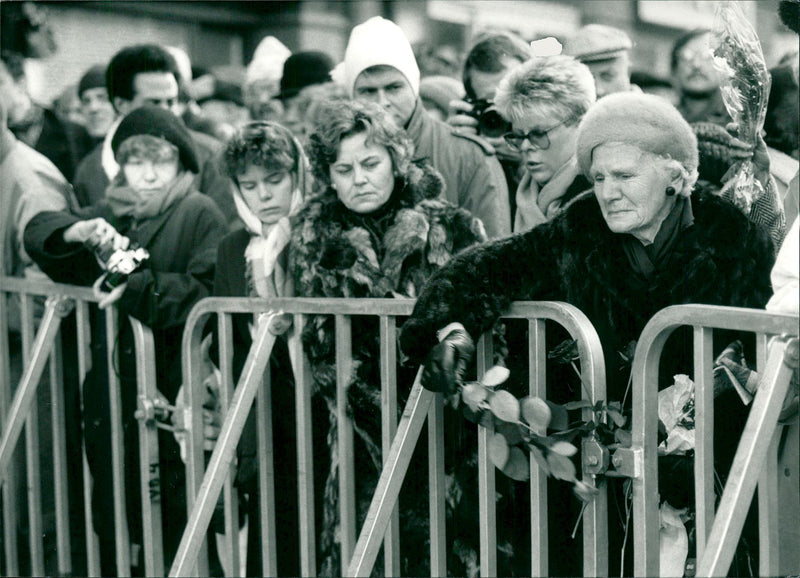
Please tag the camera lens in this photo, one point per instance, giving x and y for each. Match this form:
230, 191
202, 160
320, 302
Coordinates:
491, 124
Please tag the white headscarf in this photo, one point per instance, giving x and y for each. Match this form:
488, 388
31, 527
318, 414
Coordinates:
267, 242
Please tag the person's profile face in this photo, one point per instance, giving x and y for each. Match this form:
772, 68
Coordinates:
97, 111
389, 89
484, 84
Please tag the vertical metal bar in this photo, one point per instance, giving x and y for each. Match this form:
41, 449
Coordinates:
644, 433
266, 480
150, 469
768, 508
384, 500
388, 364
224, 451
192, 362
486, 480
84, 363
347, 485
32, 442
437, 487
305, 455
122, 540
704, 434
595, 515
8, 490
230, 495
537, 378
59, 431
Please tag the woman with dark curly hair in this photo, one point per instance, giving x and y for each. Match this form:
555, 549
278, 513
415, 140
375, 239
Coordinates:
377, 228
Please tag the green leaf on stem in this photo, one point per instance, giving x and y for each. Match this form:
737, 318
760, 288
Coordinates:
536, 412
495, 376
517, 468
498, 450
504, 405
561, 467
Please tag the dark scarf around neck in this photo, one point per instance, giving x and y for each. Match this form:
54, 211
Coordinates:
646, 260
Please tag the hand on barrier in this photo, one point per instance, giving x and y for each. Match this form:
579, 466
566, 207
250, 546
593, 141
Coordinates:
106, 298
447, 361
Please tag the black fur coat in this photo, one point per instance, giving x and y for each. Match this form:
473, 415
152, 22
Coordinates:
390, 253
722, 259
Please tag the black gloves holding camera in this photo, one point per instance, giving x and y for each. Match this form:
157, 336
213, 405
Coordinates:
446, 363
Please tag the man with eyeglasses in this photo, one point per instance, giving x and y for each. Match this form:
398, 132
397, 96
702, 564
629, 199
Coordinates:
544, 99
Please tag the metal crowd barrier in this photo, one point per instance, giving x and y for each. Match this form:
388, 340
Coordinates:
756, 457
382, 522
41, 347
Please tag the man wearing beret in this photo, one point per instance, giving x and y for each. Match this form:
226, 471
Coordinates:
606, 51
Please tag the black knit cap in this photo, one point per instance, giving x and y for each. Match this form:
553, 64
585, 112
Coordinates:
158, 122
95, 77
304, 69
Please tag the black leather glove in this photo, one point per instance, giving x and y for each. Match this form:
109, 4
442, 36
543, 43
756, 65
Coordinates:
447, 361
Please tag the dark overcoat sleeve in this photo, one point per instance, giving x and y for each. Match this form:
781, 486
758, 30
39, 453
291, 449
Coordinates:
477, 286
163, 299
61, 261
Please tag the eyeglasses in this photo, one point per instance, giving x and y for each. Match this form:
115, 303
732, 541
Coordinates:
537, 138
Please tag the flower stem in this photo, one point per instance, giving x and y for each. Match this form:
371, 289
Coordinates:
583, 383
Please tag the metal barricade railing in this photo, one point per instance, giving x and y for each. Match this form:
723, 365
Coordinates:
40, 348
381, 527
717, 534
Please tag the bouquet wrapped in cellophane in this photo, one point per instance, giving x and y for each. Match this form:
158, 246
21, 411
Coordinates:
745, 91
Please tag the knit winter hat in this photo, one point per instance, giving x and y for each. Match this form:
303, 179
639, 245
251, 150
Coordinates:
304, 69
268, 59
95, 77
155, 121
644, 120
379, 41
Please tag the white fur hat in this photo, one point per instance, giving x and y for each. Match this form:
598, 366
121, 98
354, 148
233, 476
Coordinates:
268, 59
379, 41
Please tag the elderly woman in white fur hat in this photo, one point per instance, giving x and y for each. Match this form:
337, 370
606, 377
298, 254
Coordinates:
635, 244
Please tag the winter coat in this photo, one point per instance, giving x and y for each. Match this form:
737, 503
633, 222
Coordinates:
337, 253
182, 243
230, 280
474, 179
722, 259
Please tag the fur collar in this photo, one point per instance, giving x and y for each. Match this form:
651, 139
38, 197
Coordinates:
339, 254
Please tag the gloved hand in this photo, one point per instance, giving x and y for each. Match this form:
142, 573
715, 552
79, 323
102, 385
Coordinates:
447, 361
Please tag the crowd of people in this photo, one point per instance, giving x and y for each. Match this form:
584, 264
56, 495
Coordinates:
537, 175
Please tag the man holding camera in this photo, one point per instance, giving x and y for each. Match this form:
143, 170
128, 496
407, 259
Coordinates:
379, 66
489, 59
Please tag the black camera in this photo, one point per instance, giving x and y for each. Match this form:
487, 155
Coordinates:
490, 123
118, 263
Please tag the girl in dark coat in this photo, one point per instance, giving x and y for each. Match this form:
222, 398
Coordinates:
270, 177
635, 245
377, 229
151, 203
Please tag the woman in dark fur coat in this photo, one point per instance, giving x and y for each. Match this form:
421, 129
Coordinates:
636, 244
378, 228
